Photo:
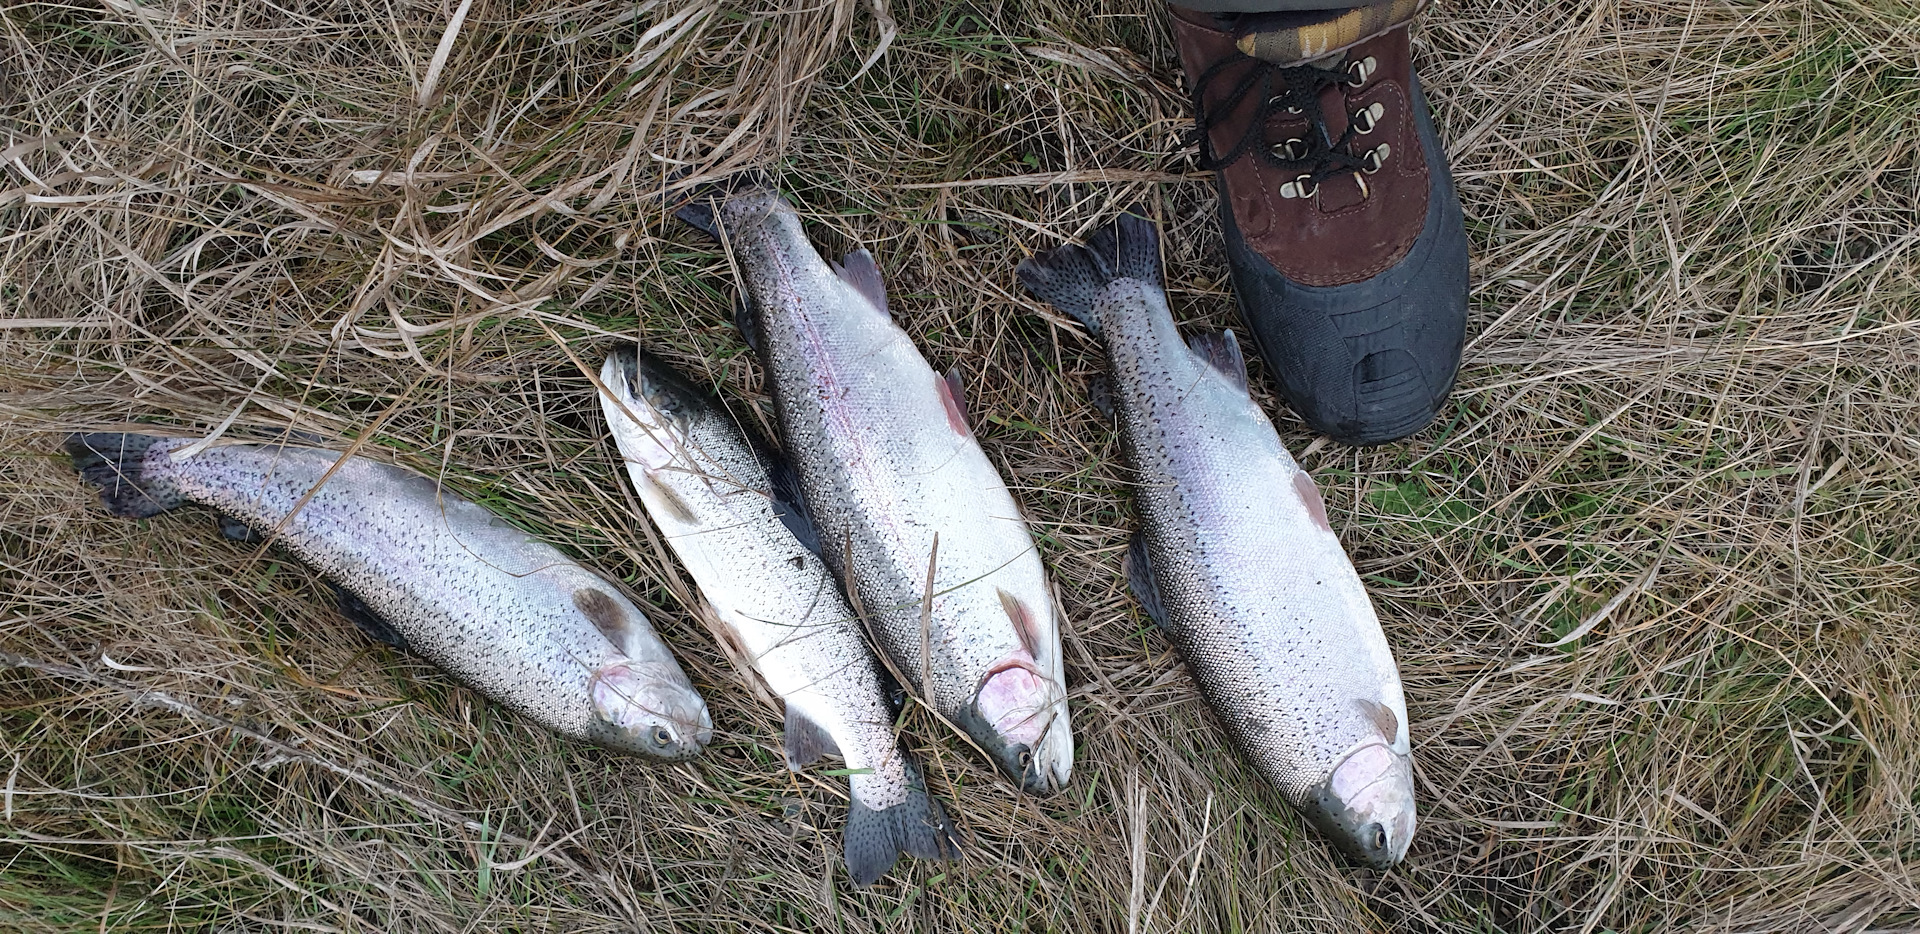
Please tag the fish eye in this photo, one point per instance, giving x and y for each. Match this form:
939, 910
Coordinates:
662, 737
1025, 759
1379, 837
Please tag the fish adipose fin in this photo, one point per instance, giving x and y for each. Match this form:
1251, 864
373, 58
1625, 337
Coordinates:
917, 826
1221, 350
1140, 579
858, 269
805, 741
116, 463
1071, 277
365, 619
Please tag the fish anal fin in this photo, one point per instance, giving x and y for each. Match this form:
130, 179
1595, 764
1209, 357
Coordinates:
953, 399
1310, 497
858, 269
1139, 572
805, 741
366, 619
1024, 624
234, 529
1221, 350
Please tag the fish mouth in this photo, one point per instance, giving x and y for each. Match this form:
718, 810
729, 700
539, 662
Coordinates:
1365, 804
1025, 739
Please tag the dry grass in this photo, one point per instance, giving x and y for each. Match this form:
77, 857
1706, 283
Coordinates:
1687, 430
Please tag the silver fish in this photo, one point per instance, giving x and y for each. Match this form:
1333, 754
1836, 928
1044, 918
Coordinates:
710, 489
1235, 558
422, 569
911, 512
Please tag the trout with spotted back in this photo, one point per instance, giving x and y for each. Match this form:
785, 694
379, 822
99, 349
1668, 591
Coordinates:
709, 485
902, 493
1235, 558
422, 569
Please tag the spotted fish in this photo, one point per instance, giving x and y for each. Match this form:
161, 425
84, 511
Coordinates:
1235, 558
911, 512
420, 568
709, 486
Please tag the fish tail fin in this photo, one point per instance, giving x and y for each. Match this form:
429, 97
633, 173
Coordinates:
918, 826
1071, 277
701, 209
117, 464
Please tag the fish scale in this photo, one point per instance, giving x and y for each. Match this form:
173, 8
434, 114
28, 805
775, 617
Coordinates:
502, 611
898, 484
1235, 558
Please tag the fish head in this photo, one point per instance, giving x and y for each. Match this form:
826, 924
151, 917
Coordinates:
1365, 805
1019, 718
649, 710
650, 406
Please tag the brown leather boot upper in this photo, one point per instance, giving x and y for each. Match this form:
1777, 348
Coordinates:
1327, 215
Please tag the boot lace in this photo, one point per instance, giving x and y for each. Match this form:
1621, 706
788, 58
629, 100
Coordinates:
1314, 157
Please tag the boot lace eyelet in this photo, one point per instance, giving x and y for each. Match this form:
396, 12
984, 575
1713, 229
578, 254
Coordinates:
1358, 72
1377, 157
1368, 117
1292, 150
1281, 102
1302, 186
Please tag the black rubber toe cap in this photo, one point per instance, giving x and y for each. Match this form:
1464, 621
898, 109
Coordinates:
1372, 361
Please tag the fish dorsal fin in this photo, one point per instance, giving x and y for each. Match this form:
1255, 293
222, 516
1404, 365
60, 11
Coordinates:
805, 741
954, 399
1024, 625
1221, 350
858, 269
789, 503
366, 619
1140, 580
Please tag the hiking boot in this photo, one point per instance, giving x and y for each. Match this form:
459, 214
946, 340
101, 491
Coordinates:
1343, 232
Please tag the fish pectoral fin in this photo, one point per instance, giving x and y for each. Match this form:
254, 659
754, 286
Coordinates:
238, 531
1024, 625
365, 619
805, 741
858, 269
953, 398
1221, 351
606, 615
1140, 579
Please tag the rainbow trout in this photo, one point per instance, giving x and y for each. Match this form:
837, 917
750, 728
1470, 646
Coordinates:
711, 489
911, 513
1235, 558
422, 569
